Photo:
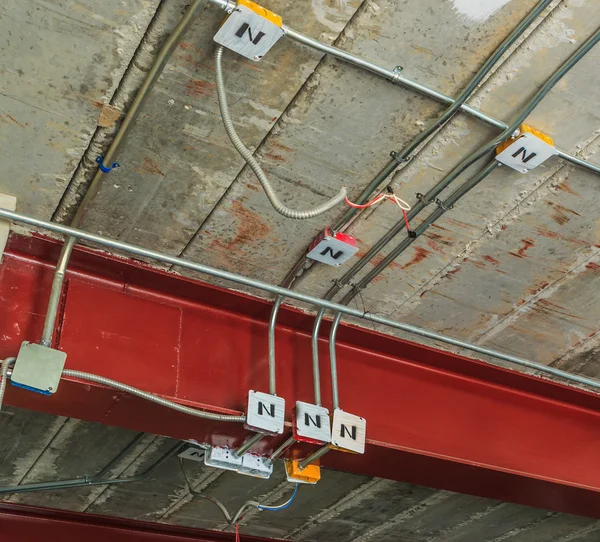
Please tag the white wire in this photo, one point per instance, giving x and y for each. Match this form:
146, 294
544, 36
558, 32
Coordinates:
401, 203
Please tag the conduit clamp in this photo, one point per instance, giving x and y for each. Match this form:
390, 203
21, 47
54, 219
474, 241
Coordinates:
442, 206
423, 200
103, 168
396, 156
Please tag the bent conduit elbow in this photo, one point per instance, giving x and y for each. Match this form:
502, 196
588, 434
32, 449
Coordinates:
254, 165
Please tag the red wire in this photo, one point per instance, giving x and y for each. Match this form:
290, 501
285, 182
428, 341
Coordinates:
237, 533
405, 219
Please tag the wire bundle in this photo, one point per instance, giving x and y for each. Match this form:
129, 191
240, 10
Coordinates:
390, 196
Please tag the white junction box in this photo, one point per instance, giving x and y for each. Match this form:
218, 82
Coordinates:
332, 249
255, 465
311, 423
250, 30
222, 458
527, 151
266, 413
348, 432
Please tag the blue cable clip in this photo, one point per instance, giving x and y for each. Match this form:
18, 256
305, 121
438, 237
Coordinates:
103, 168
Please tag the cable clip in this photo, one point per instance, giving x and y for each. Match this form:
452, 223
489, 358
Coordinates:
442, 206
396, 156
421, 198
103, 168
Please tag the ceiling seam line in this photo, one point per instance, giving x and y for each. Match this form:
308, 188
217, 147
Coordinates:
45, 449
107, 488
354, 497
121, 99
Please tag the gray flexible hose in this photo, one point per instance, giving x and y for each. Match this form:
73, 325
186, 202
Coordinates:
151, 397
254, 165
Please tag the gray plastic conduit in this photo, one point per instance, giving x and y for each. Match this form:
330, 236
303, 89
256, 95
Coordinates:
246, 154
151, 397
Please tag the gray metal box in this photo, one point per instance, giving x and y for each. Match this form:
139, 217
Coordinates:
38, 368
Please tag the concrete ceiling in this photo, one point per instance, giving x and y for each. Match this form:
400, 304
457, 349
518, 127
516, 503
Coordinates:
342, 507
515, 266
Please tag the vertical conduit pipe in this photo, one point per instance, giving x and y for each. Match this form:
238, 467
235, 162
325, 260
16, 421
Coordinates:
157, 68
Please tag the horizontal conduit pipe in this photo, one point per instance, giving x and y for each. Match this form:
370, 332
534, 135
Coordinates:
401, 80
278, 290
405, 154
431, 195
94, 481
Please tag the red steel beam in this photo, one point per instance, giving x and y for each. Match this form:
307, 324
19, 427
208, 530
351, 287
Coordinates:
30, 524
433, 418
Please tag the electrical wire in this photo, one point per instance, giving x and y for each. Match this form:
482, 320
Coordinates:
4, 377
460, 168
281, 506
246, 154
231, 520
469, 161
151, 397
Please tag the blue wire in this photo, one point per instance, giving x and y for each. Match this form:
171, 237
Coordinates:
283, 506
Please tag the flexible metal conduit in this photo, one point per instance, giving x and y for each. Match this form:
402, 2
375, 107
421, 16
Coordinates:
474, 157
135, 250
247, 155
151, 397
391, 75
157, 68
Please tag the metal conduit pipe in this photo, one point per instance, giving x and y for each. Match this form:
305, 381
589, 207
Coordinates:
391, 75
422, 228
315, 356
278, 290
335, 396
431, 195
96, 480
405, 154
157, 68
279, 451
272, 372
248, 444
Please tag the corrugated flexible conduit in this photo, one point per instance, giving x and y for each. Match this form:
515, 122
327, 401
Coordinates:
246, 154
151, 397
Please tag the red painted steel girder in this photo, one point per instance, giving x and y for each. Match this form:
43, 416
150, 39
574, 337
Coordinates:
30, 524
433, 418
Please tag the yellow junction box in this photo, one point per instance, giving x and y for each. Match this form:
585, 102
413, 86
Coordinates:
310, 475
265, 13
522, 129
